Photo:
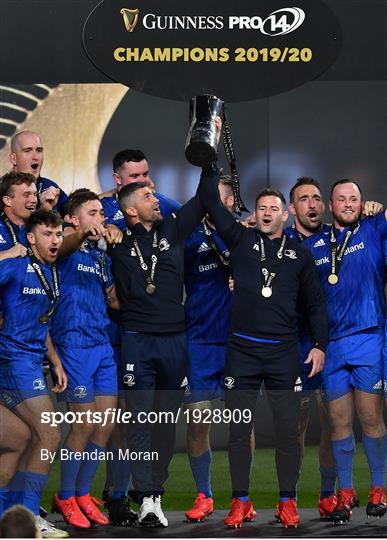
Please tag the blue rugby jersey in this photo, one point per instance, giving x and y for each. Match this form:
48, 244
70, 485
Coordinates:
115, 216
45, 183
80, 319
6, 241
23, 302
292, 233
304, 333
357, 302
208, 303
6, 238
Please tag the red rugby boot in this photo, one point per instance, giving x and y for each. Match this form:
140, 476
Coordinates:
327, 505
202, 508
377, 502
288, 514
240, 511
70, 511
88, 505
346, 500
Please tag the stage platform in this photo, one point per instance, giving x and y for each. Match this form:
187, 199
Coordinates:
263, 526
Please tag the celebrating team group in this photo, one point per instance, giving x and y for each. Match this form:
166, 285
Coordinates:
139, 303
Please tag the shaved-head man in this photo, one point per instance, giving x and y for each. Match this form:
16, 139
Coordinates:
27, 156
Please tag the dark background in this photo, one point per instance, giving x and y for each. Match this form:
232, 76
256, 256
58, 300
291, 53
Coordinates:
329, 128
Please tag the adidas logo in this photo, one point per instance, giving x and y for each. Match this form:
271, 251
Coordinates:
29, 268
378, 385
133, 253
203, 247
298, 385
184, 382
256, 247
319, 243
118, 215
2, 241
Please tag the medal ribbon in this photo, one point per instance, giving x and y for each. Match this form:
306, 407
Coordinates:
225, 261
230, 154
300, 236
52, 294
100, 257
148, 273
9, 225
270, 269
337, 252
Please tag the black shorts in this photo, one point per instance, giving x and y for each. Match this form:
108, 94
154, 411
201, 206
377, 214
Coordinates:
249, 363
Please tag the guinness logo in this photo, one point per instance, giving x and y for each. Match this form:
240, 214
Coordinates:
130, 18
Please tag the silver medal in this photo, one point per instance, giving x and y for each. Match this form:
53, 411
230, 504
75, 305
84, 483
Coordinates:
267, 292
150, 289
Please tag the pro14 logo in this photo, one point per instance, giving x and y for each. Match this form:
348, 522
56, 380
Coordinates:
280, 22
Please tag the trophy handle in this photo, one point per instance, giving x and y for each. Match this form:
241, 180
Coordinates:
192, 108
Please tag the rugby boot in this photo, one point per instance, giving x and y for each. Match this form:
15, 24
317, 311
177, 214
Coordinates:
159, 512
327, 505
88, 505
148, 513
70, 511
377, 502
120, 512
47, 530
240, 511
202, 508
288, 514
346, 500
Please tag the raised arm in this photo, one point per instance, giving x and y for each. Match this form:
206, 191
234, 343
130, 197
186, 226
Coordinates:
227, 226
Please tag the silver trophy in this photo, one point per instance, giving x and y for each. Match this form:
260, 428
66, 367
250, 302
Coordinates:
202, 142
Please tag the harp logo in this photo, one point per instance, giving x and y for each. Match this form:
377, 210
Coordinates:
130, 18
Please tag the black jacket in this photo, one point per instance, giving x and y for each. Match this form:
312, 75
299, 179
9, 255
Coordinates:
297, 279
163, 312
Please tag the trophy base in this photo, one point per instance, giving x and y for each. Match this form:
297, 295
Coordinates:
200, 154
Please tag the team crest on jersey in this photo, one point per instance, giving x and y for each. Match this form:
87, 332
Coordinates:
128, 379
319, 243
229, 382
2, 241
118, 215
80, 392
164, 245
298, 385
38, 384
290, 253
203, 247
